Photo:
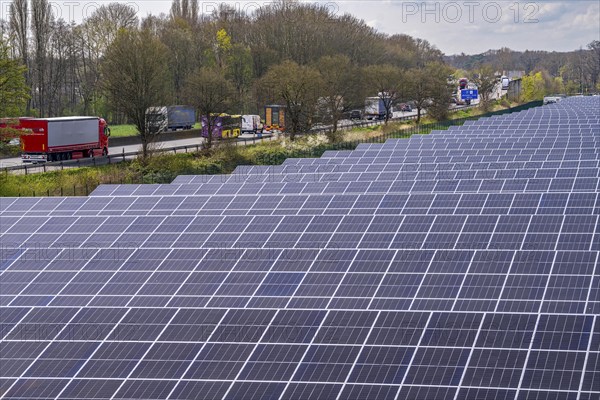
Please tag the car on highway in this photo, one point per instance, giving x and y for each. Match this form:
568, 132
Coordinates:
356, 114
405, 107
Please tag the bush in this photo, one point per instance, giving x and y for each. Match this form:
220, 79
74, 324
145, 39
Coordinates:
266, 155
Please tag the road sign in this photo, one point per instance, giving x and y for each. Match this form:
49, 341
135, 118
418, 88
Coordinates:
469, 94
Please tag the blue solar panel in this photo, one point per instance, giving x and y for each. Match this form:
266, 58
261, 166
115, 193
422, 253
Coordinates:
460, 264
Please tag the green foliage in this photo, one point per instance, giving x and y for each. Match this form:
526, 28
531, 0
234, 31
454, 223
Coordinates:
240, 73
439, 91
267, 154
485, 79
533, 87
13, 88
122, 131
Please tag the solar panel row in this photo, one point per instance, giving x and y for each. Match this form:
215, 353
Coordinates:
458, 265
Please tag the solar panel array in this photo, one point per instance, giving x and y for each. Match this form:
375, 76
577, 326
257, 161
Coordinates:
457, 265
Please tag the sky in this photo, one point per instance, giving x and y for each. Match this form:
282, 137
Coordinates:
470, 26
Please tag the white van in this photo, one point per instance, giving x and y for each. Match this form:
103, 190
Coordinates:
251, 124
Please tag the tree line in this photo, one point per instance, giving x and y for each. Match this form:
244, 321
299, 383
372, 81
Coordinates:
320, 65
65, 60
562, 72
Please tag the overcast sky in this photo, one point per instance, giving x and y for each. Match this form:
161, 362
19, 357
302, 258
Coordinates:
476, 26
470, 26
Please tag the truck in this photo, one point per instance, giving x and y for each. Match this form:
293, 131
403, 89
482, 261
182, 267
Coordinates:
223, 126
251, 124
170, 118
274, 118
64, 138
505, 81
375, 108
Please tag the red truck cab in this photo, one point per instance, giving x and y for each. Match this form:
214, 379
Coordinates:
56, 139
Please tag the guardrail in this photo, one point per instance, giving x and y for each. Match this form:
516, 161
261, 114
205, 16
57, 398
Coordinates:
124, 156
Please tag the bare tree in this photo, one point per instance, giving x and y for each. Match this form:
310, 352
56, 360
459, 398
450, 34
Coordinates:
185, 9
388, 82
592, 64
91, 41
41, 25
439, 89
135, 73
109, 19
419, 90
486, 82
341, 88
59, 68
19, 25
298, 87
209, 91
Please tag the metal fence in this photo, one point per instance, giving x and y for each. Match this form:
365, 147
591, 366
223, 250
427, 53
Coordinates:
212, 169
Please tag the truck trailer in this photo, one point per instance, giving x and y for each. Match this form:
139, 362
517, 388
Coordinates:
224, 126
375, 108
55, 139
251, 124
171, 118
274, 118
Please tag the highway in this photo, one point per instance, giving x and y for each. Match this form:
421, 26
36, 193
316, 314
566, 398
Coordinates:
9, 162
115, 152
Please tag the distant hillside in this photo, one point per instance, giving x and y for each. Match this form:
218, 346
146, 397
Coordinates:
506, 59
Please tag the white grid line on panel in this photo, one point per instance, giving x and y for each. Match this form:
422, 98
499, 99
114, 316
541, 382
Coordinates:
595, 272
193, 360
145, 353
362, 348
44, 350
469, 357
587, 355
92, 354
258, 342
416, 349
327, 312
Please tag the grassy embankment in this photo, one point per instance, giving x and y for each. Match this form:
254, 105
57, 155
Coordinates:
130, 130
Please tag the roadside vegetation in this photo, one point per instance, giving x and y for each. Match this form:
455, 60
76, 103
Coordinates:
221, 159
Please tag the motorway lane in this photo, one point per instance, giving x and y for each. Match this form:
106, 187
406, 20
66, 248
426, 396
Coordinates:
115, 151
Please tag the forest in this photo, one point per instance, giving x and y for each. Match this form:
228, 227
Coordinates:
575, 71
114, 64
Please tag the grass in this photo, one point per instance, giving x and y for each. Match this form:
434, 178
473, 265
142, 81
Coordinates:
130, 130
122, 130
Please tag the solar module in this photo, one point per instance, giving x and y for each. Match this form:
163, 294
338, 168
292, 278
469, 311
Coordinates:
457, 265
